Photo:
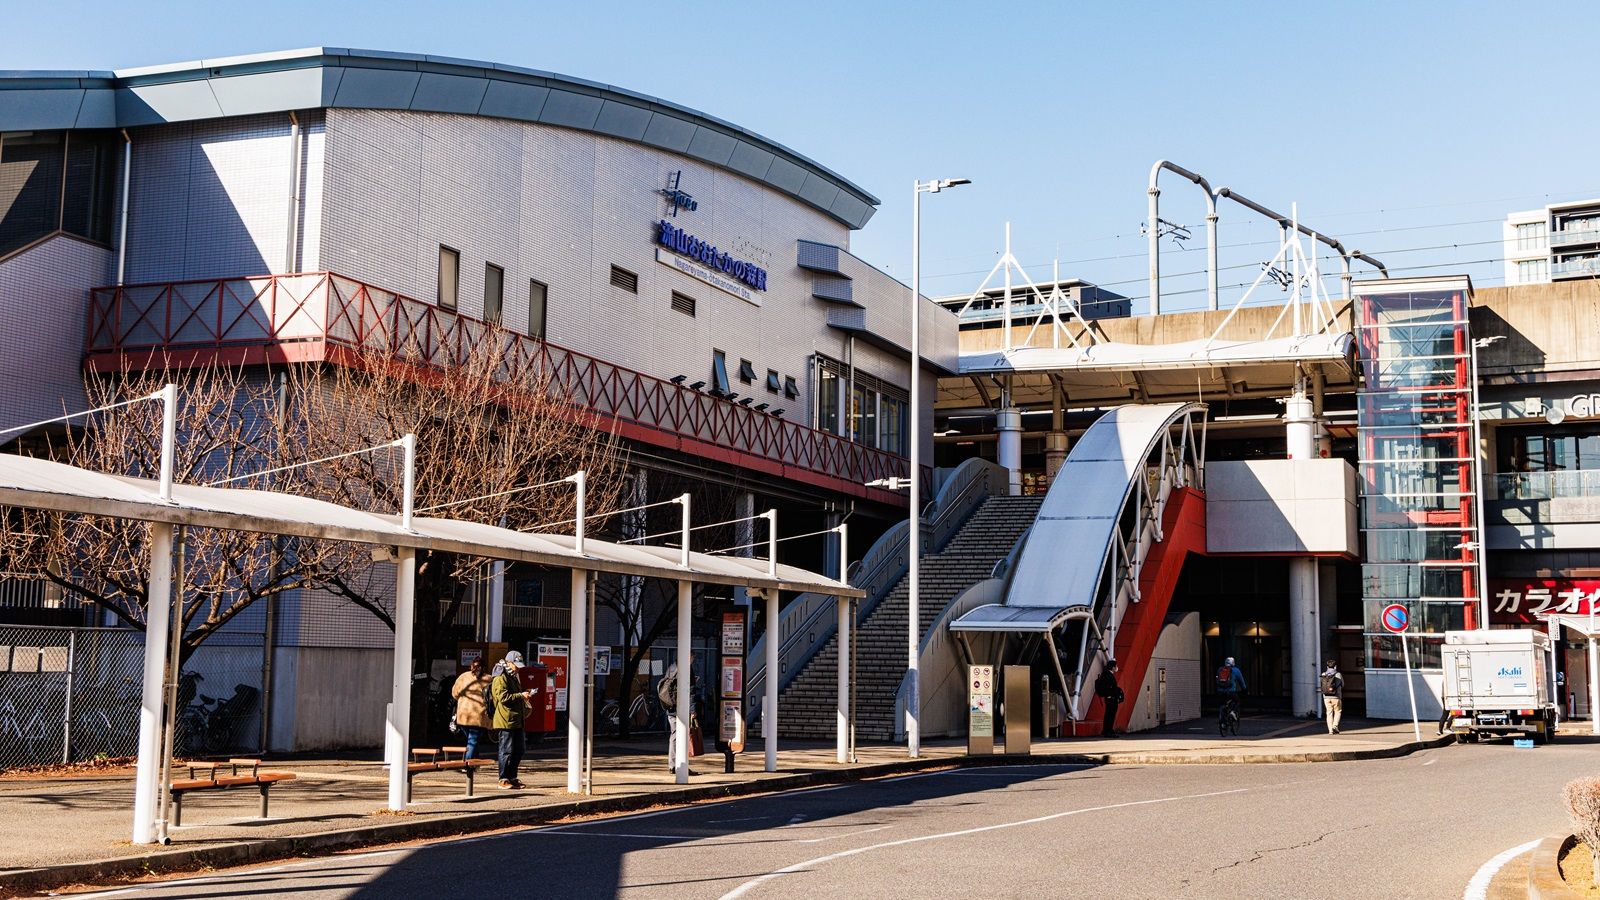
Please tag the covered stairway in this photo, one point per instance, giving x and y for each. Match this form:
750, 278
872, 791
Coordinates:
880, 664
1096, 573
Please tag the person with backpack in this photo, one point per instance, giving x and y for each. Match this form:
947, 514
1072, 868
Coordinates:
1230, 685
1110, 694
508, 706
1332, 686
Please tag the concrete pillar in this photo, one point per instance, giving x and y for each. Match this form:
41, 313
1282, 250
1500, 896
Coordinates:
1008, 422
1055, 453
577, 698
1305, 632
398, 741
1055, 442
158, 621
842, 704
680, 722
1320, 433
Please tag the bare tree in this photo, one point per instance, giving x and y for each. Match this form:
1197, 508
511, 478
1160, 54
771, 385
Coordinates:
646, 610
229, 423
493, 442
496, 436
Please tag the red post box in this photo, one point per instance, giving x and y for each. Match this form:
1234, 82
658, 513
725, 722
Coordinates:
542, 707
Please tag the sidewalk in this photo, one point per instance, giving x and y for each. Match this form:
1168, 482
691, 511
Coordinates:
77, 828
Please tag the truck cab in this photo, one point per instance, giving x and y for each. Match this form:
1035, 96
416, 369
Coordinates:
1499, 681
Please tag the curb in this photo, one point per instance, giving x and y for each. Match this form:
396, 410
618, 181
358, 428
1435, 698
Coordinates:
255, 851
1544, 871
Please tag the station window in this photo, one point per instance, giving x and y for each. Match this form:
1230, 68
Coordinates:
57, 182
860, 406
538, 298
719, 372
449, 277
624, 279
683, 303
494, 292
747, 371
772, 381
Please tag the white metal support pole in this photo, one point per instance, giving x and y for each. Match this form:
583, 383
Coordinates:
399, 730
409, 497
157, 620
680, 722
687, 531
1211, 250
577, 656
914, 533
580, 482
842, 609
1480, 535
169, 438
1153, 238
1411, 687
769, 706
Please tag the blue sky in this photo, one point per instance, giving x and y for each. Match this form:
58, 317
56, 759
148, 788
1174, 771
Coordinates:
1407, 129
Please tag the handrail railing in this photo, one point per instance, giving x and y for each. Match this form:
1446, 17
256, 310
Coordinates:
1547, 485
314, 316
807, 623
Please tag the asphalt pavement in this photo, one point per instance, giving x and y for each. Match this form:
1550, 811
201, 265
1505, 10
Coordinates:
1417, 826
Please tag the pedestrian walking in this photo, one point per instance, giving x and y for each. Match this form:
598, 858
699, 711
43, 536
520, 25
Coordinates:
472, 713
510, 710
1332, 685
1110, 693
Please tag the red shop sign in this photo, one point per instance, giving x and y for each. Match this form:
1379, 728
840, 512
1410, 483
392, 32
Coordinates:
1521, 600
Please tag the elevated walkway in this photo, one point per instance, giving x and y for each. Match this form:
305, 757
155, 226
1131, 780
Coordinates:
1095, 574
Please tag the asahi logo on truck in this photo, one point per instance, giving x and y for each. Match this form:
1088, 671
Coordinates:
1509, 672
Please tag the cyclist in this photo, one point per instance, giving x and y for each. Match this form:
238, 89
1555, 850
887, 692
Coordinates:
1230, 685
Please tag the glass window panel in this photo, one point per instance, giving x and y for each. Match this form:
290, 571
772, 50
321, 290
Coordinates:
449, 277
30, 186
494, 292
89, 198
1411, 545
538, 298
828, 402
1403, 582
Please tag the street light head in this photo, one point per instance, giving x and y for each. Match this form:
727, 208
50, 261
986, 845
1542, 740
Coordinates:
1486, 341
953, 182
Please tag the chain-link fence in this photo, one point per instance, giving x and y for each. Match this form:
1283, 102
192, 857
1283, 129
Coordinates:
72, 694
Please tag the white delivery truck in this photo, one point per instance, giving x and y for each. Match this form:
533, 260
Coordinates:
1499, 681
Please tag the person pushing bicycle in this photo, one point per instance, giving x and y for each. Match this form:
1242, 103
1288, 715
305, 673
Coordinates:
1230, 685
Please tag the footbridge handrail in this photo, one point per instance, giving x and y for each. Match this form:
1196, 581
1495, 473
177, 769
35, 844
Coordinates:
807, 623
1110, 494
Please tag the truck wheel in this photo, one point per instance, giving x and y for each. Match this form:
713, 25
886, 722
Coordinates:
1468, 737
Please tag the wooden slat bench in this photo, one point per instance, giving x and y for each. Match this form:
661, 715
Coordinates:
439, 761
207, 776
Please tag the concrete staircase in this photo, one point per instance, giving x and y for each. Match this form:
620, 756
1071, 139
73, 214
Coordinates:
806, 709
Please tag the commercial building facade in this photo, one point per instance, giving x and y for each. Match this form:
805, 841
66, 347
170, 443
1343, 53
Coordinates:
685, 279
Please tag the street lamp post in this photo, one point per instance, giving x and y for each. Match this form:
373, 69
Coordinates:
1482, 533
914, 535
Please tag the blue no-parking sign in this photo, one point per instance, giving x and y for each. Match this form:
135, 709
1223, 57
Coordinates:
1395, 618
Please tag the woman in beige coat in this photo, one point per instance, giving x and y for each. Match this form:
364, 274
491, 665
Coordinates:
472, 717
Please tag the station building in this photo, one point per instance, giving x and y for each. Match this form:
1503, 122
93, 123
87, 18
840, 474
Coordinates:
686, 279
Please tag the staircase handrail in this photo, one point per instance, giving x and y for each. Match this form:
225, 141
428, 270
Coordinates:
808, 622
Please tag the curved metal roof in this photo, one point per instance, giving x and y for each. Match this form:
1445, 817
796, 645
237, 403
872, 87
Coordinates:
337, 77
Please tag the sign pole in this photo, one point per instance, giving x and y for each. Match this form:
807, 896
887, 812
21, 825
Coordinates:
1411, 688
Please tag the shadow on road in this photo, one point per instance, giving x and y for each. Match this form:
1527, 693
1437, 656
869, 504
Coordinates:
590, 859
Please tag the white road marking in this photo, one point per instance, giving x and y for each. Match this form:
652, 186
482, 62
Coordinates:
1478, 887
748, 886
283, 867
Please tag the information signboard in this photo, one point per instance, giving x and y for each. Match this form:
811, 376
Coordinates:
980, 709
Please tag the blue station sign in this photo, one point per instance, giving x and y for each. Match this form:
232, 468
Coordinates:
681, 242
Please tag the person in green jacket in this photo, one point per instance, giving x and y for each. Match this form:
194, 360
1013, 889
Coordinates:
510, 709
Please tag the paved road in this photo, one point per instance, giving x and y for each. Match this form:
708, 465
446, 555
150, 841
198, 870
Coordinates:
1413, 827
